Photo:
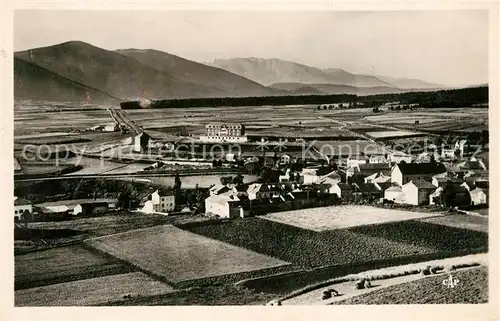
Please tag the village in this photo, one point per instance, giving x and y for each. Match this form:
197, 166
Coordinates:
450, 177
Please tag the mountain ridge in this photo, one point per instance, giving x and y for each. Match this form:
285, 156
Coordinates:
262, 70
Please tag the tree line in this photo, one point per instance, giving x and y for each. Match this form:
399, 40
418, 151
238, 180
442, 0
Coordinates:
242, 101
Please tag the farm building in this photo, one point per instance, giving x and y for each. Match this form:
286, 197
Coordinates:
417, 192
404, 173
159, 202
91, 208
20, 207
479, 196
398, 157
392, 193
224, 205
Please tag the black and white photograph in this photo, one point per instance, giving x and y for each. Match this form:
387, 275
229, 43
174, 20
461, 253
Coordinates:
251, 158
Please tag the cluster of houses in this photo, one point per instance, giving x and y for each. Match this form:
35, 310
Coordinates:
374, 178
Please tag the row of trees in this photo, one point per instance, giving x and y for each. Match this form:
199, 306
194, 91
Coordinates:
242, 101
432, 99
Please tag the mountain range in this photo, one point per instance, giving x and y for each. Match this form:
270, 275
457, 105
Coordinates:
78, 71
273, 71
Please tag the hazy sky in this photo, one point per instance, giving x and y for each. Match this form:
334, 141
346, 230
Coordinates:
447, 47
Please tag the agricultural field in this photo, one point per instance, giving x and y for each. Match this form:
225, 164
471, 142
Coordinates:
338, 217
391, 134
62, 264
470, 222
347, 147
97, 226
357, 245
471, 289
435, 120
99, 290
178, 255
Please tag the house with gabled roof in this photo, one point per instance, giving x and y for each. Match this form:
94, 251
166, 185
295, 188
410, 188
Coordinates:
403, 173
417, 192
160, 201
224, 205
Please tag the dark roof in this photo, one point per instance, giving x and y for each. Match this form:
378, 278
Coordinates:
420, 184
384, 185
21, 201
344, 186
367, 187
421, 168
374, 166
481, 183
92, 205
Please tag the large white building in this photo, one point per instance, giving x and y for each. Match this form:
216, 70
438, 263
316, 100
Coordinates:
224, 132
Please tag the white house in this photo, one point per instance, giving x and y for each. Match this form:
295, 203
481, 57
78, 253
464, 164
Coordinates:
21, 206
224, 205
159, 203
479, 196
405, 172
393, 193
417, 192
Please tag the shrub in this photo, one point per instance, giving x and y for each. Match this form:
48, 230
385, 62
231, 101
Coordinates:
435, 269
426, 271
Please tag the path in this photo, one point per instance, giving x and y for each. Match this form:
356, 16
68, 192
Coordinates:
347, 290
